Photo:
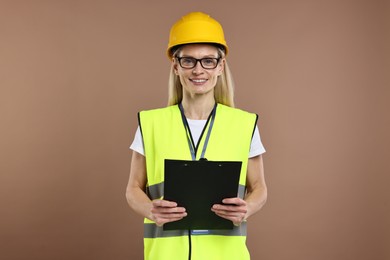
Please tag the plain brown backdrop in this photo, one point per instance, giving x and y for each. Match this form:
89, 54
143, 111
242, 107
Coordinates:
73, 75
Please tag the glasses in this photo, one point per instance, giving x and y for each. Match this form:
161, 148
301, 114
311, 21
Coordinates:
190, 63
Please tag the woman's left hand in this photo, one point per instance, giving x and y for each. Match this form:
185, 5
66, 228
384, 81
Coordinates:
233, 209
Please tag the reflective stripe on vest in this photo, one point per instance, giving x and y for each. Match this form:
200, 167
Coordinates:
151, 230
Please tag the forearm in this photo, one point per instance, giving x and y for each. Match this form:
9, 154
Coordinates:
135, 191
139, 202
159, 211
255, 200
256, 195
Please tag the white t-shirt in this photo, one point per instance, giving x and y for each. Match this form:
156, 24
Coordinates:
196, 127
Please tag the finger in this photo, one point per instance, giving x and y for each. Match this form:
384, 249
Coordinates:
229, 213
165, 210
228, 208
235, 201
230, 216
164, 203
169, 217
236, 219
161, 221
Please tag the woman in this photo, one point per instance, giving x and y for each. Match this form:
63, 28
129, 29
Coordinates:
199, 115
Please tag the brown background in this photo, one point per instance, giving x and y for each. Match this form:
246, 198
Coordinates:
73, 75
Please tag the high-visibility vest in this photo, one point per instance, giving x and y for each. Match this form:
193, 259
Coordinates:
165, 137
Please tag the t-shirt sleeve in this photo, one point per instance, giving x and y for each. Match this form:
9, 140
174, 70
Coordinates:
138, 143
257, 147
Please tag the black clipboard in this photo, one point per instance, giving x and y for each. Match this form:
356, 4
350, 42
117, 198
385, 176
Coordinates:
197, 185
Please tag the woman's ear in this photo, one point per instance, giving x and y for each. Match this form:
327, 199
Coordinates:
174, 66
221, 67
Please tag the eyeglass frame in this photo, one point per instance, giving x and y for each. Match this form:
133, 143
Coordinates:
198, 60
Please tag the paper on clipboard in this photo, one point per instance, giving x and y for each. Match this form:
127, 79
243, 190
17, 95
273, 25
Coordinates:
197, 185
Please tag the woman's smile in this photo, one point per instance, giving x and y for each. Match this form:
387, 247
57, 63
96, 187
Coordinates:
197, 81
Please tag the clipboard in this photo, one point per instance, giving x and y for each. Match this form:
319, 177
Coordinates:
196, 186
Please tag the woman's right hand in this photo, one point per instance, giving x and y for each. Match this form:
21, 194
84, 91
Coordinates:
164, 211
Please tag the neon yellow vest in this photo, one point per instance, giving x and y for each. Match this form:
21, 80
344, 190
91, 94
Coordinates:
164, 137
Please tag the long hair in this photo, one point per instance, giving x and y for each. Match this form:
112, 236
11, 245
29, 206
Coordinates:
223, 90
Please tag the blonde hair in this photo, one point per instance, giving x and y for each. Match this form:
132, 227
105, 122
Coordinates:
223, 90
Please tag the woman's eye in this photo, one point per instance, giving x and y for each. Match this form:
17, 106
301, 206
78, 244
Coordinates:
187, 61
208, 61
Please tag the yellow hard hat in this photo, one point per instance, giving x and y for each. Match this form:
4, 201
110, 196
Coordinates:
196, 27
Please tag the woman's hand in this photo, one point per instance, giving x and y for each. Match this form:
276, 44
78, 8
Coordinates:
164, 211
233, 209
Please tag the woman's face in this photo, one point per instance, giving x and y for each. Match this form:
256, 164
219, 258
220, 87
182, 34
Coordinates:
198, 80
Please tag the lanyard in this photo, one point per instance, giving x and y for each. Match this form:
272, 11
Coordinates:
191, 144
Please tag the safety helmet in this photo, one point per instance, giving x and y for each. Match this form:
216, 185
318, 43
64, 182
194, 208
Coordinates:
196, 27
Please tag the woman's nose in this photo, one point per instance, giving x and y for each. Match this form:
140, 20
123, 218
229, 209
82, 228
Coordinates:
198, 68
